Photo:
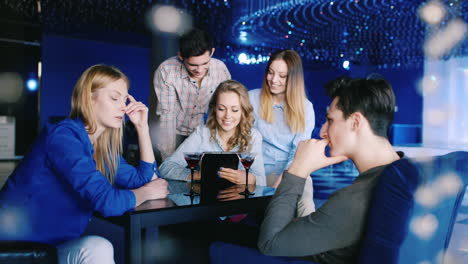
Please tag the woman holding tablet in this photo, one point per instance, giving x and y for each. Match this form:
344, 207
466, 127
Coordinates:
229, 128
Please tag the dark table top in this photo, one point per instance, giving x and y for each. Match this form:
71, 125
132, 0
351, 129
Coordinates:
208, 196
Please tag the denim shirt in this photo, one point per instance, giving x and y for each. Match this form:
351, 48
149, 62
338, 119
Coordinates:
200, 140
279, 143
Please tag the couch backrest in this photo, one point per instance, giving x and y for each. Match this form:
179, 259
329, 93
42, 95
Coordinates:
414, 208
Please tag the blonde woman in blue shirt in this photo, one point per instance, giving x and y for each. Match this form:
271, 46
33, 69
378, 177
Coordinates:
75, 167
284, 116
229, 128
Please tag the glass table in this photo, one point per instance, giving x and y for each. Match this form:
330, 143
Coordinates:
213, 202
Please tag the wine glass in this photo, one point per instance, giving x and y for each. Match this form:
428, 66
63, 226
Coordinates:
247, 159
192, 159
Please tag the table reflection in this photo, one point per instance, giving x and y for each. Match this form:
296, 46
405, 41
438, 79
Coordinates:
212, 194
156, 204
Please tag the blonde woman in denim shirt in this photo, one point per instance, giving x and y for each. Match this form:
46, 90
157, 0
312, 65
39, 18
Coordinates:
284, 116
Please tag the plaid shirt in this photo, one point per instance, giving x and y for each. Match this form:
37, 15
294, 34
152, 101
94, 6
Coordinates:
181, 104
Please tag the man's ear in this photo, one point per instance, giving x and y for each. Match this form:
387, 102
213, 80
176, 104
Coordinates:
212, 51
357, 120
179, 56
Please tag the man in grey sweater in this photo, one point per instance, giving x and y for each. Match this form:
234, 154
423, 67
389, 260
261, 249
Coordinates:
356, 128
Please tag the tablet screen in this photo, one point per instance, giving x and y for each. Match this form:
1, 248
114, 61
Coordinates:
210, 164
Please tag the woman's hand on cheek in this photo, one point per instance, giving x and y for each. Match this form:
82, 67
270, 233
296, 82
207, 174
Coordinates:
137, 112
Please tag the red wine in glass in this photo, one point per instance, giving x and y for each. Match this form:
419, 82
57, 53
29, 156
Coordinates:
192, 162
247, 163
247, 159
192, 159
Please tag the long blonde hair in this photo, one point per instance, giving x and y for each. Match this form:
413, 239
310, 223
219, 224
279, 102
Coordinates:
108, 147
294, 109
243, 135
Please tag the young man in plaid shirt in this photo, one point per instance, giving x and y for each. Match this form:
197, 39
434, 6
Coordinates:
183, 86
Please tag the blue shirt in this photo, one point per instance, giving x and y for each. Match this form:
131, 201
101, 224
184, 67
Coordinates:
200, 140
279, 143
55, 189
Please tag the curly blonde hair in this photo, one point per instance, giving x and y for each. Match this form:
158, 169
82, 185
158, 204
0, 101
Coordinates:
243, 135
108, 146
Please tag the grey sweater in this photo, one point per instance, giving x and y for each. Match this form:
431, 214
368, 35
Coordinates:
329, 235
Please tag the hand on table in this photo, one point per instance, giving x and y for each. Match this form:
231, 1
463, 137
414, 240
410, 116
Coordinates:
156, 189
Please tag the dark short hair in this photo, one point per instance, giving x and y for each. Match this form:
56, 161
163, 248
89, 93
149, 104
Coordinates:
373, 98
194, 43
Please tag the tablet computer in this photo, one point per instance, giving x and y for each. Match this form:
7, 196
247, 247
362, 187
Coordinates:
211, 162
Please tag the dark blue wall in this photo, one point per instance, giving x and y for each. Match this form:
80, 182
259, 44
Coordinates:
64, 59
250, 76
404, 82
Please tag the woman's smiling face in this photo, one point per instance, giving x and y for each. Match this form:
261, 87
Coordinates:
277, 77
228, 112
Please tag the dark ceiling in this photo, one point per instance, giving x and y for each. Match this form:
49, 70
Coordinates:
385, 33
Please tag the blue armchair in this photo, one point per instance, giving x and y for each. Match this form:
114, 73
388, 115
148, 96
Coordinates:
389, 238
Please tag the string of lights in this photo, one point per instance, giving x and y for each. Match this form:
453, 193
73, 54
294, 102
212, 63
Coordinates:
326, 33
385, 33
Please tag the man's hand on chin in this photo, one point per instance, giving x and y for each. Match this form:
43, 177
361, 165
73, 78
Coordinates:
310, 156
